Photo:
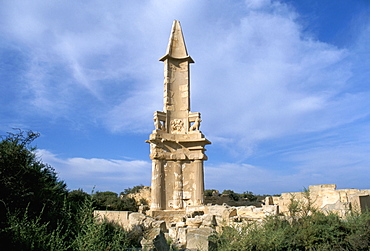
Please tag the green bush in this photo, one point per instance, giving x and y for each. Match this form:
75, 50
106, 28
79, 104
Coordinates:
38, 213
130, 190
93, 235
27, 185
25, 233
110, 201
209, 192
312, 232
232, 194
249, 195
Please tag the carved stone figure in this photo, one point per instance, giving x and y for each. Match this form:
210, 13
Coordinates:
196, 125
157, 124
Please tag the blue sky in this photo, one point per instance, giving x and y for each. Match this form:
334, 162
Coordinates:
283, 88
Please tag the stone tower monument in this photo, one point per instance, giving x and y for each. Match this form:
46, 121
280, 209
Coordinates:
176, 144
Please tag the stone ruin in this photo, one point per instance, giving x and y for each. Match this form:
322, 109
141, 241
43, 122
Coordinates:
177, 144
191, 227
326, 198
177, 209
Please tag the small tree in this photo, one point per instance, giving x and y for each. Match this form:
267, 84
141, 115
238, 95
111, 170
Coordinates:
249, 195
232, 194
210, 192
302, 207
27, 182
29, 188
110, 201
130, 190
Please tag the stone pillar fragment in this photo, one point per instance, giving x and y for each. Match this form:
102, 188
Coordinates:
178, 188
199, 182
157, 184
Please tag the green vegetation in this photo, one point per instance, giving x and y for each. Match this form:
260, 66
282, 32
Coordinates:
237, 196
209, 192
37, 212
305, 229
26, 182
130, 190
313, 232
110, 201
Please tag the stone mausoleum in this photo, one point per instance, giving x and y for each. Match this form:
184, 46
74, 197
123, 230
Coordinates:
177, 211
177, 144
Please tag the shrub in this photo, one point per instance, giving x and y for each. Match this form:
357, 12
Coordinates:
38, 213
27, 185
316, 231
249, 195
232, 194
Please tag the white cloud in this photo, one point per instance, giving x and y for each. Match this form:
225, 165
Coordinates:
345, 166
269, 80
103, 174
259, 76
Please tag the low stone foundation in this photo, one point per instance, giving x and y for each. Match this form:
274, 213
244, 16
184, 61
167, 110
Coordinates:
190, 228
327, 198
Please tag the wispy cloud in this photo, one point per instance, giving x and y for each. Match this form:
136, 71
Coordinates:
266, 76
259, 76
101, 174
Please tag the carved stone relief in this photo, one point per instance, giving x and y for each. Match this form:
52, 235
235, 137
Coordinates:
177, 126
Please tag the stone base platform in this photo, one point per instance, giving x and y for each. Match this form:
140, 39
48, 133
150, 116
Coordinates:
167, 215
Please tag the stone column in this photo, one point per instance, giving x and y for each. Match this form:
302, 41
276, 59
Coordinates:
157, 185
178, 187
199, 182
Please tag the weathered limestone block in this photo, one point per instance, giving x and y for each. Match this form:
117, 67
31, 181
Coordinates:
209, 220
167, 215
192, 211
142, 194
197, 238
251, 212
118, 217
222, 213
161, 224
147, 222
178, 236
172, 232
137, 219
269, 210
153, 239
323, 197
194, 222
269, 201
245, 211
181, 235
340, 208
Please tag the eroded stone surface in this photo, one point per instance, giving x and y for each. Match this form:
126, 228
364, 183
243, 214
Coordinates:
197, 239
327, 198
177, 144
153, 239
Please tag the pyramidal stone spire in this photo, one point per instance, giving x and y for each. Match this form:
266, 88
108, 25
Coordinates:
176, 48
176, 143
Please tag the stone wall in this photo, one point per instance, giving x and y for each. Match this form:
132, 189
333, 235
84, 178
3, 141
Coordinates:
326, 198
190, 227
